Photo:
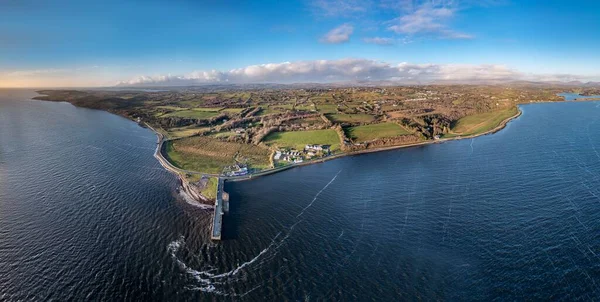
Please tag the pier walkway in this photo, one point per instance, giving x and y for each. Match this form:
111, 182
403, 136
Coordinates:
217, 223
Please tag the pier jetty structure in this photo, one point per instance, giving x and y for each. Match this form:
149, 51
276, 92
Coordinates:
221, 208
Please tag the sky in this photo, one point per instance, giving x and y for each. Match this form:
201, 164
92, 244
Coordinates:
65, 43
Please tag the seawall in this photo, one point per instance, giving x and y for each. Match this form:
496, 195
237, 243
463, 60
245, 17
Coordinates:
187, 188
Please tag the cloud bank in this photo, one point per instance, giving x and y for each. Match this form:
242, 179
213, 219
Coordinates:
347, 70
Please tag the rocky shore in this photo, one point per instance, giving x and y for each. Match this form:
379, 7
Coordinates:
187, 188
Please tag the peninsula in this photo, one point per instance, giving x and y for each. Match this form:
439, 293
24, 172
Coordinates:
238, 132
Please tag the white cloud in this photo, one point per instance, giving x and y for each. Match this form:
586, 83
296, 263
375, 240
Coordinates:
379, 41
331, 8
348, 70
450, 34
339, 34
428, 19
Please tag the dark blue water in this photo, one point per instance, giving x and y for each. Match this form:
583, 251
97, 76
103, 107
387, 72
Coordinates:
87, 213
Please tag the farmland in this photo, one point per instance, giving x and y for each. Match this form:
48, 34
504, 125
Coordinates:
374, 131
299, 139
184, 131
351, 118
211, 155
192, 113
212, 127
479, 123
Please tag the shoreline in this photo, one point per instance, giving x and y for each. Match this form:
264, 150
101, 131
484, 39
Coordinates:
185, 187
178, 171
501, 126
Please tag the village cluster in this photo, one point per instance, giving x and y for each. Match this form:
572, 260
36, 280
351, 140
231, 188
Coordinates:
238, 169
295, 156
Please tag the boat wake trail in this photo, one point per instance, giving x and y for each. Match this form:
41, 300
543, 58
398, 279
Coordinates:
319, 193
472, 140
208, 280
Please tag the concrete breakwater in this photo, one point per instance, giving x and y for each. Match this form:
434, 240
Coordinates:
221, 208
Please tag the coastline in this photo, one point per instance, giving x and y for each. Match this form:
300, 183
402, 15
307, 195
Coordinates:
187, 189
178, 171
191, 192
501, 126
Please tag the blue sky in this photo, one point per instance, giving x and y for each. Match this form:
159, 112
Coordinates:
88, 43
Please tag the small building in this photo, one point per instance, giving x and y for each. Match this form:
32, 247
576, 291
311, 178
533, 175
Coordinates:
239, 169
313, 147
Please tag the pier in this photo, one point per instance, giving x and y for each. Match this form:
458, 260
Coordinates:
221, 207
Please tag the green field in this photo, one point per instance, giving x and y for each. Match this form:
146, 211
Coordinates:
327, 108
322, 98
185, 131
171, 108
351, 118
210, 109
198, 113
480, 123
233, 110
299, 139
374, 131
305, 107
223, 134
283, 107
210, 190
267, 111
307, 121
210, 155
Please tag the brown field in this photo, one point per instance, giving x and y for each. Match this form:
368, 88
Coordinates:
210, 155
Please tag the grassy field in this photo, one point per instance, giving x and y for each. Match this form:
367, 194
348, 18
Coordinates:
283, 107
307, 121
209, 109
269, 110
233, 110
210, 155
223, 134
479, 123
210, 191
351, 118
374, 131
299, 139
306, 107
170, 108
327, 108
184, 131
193, 113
